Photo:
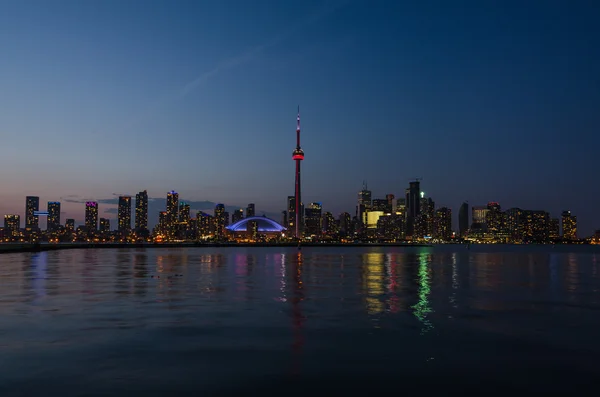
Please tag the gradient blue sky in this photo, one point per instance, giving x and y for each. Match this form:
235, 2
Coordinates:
485, 100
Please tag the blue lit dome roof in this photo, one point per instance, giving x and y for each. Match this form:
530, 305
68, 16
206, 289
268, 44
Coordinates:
264, 225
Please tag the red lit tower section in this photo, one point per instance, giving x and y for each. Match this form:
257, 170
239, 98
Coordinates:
298, 156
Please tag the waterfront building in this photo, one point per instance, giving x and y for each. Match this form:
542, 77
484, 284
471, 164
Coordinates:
32, 205
124, 214
53, 216
91, 216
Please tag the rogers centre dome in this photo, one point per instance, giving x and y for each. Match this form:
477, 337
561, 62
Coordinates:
264, 225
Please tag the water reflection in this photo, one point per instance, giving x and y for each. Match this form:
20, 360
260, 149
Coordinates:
39, 266
374, 281
422, 309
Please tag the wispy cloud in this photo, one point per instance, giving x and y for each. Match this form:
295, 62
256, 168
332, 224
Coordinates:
245, 57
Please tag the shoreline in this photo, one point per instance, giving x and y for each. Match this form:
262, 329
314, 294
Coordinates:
6, 248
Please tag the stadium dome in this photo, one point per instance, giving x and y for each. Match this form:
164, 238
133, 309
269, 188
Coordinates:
264, 224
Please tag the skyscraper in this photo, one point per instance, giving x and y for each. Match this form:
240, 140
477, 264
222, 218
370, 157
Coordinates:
105, 225
32, 204
53, 216
569, 226
219, 218
124, 214
237, 216
12, 225
183, 226
298, 156
364, 204
250, 210
345, 224
443, 224
413, 205
463, 219
172, 213
313, 219
291, 214
141, 211
91, 216
70, 225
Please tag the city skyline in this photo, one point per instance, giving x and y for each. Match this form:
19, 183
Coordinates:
483, 105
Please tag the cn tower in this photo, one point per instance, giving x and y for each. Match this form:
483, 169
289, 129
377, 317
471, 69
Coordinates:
298, 156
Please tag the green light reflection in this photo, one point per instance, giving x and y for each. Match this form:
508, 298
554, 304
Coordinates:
422, 308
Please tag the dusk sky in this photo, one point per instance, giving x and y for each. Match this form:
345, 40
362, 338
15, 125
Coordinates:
484, 100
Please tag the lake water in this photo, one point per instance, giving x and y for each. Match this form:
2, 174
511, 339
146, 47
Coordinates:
273, 321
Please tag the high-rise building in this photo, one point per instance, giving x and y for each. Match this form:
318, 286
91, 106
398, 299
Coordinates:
424, 220
220, 220
479, 215
237, 216
494, 218
183, 226
443, 224
53, 216
105, 225
554, 229
141, 211
515, 224
291, 213
382, 205
298, 157
284, 218
391, 202
330, 226
364, 204
413, 206
70, 225
205, 223
345, 224
569, 226
12, 225
124, 214
172, 214
91, 216
250, 211
32, 205
463, 219
163, 223
313, 219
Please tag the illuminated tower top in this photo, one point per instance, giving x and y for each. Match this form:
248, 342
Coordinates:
298, 153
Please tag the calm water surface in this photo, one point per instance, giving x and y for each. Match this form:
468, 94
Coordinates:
326, 321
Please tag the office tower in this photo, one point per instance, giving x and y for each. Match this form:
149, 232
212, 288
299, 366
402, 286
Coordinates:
12, 225
298, 157
515, 224
91, 216
364, 204
493, 218
381, 205
237, 216
569, 226
479, 216
183, 222
141, 211
250, 211
391, 202
32, 204
163, 224
413, 206
330, 225
554, 232
172, 214
463, 219
443, 224
313, 219
53, 216
204, 224
219, 219
541, 226
124, 214
424, 220
105, 225
345, 224
284, 218
70, 225
291, 212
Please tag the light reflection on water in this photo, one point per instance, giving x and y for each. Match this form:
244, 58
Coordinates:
260, 311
